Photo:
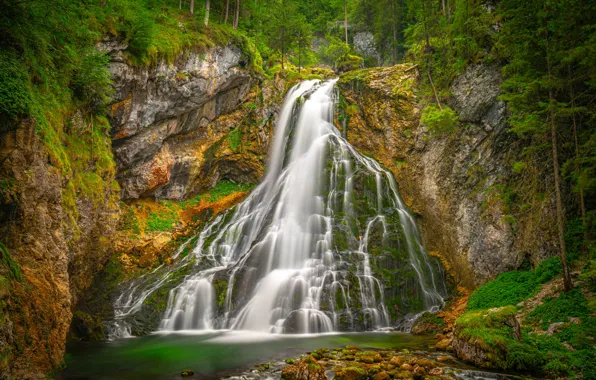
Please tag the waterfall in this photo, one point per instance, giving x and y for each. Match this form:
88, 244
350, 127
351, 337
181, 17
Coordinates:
323, 244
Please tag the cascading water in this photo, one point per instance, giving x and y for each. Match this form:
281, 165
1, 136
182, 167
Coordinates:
323, 244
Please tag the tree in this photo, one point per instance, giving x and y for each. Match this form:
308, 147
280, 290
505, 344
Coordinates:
236, 14
346, 19
207, 8
227, 11
303, 38
282, 29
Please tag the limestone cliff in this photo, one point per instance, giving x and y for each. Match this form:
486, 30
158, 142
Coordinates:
457, 183
57, 233
175, 128
162, 111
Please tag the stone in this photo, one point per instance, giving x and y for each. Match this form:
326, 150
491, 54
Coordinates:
419, 372
476, 91
397, 361
364, 44
350, 373
554, 328
381, 376
305, 369
161, 115
436, 174
443, 344
426, 363
436, 372
367, 359
187, 373
406, 367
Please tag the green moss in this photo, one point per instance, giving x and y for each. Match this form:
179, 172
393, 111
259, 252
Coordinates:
560, 309
439, 121
14, 269
234, 139
510, 288
220, 287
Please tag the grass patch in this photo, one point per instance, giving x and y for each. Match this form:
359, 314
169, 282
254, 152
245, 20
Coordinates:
165, 215
14, 269
511, 288
560, 309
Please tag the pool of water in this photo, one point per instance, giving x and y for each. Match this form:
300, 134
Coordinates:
210, 354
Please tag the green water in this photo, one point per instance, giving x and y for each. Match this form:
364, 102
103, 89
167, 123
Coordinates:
210, 355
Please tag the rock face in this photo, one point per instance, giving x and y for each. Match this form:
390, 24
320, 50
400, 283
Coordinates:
364, 44
456, 184
161, 117
176, 127
57, 239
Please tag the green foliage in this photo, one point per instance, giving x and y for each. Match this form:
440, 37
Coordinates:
14, 269
560, 309
439, 121
510, 288
139, 32
90, 80
336, 51
164, 220
235, 138
15, 99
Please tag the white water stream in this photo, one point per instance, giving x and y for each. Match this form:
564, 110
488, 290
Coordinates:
303, 253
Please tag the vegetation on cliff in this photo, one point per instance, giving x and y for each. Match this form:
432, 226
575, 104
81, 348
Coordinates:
54, 75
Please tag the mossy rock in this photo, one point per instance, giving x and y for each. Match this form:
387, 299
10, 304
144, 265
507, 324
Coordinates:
87, 327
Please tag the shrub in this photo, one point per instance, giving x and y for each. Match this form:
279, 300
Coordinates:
15, 98
439, 121
336, 52
559, 309
510, 288
91, 81
139, 35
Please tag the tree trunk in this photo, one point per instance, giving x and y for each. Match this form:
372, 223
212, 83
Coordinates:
432, 83
346, 19
180, 5
560, 222
444, 8
207, 8
282, 49
395, 27
227, 11
237, 14
578, 168
192, 7
299, 50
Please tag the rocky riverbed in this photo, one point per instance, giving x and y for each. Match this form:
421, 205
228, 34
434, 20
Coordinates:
354, 363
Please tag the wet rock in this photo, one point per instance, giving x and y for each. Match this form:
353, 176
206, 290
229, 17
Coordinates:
443, 344
419, 372
381, 376
305, 369
406, 367
426, 363
350, 373
446, 180
397, 361
472, 353
428, 323
436, 372
87, 327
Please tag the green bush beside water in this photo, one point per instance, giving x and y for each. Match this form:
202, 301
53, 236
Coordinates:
492, 329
